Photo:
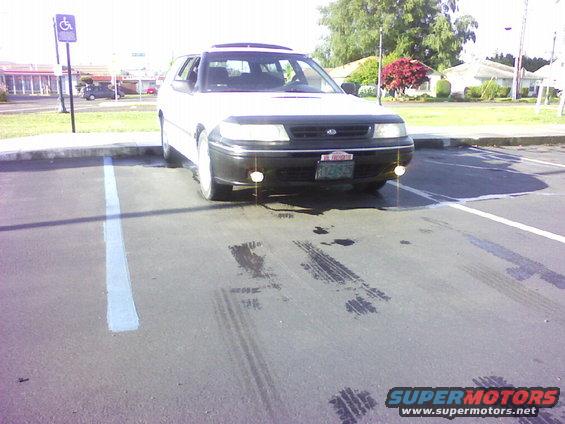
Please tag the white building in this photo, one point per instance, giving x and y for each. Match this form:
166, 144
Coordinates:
475, 73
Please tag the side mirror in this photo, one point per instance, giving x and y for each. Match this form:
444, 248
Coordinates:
182, 86
349, 88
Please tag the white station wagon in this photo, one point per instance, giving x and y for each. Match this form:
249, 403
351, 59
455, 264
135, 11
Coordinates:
252, 114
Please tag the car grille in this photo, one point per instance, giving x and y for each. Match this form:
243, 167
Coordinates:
341, 131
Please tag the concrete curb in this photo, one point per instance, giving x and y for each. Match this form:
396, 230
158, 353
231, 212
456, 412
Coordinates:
125, 147
423, 142
82, 152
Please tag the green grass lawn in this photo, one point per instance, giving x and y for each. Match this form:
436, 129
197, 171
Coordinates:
24, 124
447, 115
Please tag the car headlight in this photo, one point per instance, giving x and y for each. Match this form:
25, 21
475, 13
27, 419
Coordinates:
253, 132
389, 131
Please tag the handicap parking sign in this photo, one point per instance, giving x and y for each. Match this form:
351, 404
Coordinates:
66, 29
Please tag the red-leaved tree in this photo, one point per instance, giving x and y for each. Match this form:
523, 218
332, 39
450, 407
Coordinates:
404, 73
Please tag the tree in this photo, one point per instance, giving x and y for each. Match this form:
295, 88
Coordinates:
531, 64
368, 72
404, 73
422, 29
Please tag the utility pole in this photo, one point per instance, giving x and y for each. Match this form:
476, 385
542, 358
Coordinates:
518, 60
59, 77
380, 74
379, 80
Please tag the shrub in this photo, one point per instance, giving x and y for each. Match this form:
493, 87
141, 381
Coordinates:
3, 93
404, 73
488, 90
473, 92
443, 88
368, 91
524, 92
366, 73
503, 92
87, 80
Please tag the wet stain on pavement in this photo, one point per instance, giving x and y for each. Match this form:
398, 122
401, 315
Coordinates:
360, 306
404, 242
524, 268
351, 405
247, 258
321, 230
425, 231
341, 242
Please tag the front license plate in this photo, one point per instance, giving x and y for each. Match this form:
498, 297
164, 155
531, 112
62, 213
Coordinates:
335, 170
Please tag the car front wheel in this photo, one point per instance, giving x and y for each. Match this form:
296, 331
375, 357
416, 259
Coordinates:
91, 97
167, 154
209, 188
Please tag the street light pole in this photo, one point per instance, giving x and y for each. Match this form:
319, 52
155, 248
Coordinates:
518, 60
60, 77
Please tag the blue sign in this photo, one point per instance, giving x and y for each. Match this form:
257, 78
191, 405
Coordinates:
66, 29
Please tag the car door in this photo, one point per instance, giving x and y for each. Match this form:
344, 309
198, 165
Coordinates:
179, 109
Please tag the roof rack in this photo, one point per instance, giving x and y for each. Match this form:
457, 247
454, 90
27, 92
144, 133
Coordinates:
254, 45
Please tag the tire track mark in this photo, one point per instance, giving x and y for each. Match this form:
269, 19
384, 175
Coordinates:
325, 268
544, 416
515, 290
248, 260
350, 405
249, 357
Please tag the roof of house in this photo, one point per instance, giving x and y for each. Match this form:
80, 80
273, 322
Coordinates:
483, 68
346, 70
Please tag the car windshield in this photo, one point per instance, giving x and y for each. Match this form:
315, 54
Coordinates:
237, 71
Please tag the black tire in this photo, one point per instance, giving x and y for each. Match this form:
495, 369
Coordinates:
371, 187
91, 97
209, 188
167, 153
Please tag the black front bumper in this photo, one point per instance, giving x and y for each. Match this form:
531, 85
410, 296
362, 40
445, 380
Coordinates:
297, 167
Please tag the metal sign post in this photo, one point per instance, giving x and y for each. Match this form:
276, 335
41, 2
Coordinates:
58, 71
66, 33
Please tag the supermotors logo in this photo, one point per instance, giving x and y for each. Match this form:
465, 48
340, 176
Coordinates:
452, 402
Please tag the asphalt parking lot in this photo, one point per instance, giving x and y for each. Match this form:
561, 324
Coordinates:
297, 307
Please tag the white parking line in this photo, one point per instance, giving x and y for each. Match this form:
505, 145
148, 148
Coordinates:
492, 217
120, 314
541, 162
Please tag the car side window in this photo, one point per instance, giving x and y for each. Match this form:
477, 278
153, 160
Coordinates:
184, 70
193, 73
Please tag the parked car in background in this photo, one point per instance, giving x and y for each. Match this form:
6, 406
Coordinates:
252, 114
151, 90
92, 92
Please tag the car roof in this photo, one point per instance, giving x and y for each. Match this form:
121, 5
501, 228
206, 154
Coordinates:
249, 47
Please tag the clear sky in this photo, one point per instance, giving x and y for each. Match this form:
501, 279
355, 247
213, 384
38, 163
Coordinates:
165, 28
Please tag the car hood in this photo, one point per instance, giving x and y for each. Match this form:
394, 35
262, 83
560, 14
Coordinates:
218, 106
